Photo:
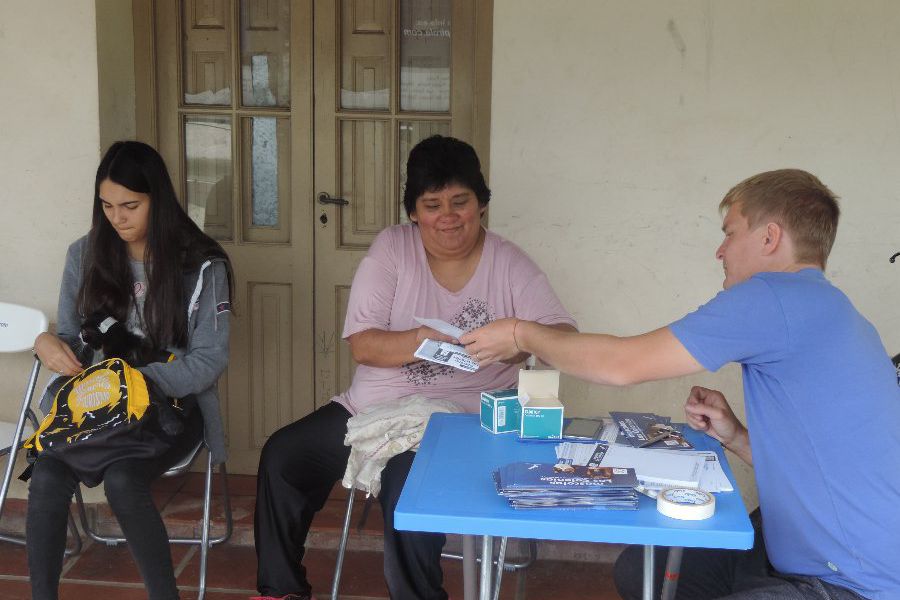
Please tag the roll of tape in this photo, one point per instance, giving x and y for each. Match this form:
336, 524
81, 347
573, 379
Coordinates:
687, 504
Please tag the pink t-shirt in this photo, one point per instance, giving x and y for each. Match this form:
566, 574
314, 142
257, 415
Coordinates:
394, 284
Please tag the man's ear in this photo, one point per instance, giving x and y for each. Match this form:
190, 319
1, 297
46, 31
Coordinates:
773, 238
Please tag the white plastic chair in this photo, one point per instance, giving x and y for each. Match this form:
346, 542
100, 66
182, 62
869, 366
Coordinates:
19, 326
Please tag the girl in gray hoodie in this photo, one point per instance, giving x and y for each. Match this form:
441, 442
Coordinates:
144, 263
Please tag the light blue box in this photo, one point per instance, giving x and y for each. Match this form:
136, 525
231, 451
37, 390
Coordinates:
542, 418
501, 411
542, 412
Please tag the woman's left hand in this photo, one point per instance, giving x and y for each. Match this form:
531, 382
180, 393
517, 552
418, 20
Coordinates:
492, 343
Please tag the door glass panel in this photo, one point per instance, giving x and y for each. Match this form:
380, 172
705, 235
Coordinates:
207, 52
425, 55
266, 173
411, 133
265, 53
365, 181
208, 168
365, 54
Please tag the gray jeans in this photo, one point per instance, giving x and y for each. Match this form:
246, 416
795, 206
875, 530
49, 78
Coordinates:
707, 574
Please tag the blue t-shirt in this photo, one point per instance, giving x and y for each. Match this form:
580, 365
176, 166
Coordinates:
823, 411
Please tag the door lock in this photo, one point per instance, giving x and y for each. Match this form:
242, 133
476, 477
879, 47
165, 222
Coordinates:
325, 198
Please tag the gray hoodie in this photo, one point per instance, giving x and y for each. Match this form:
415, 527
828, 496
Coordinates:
198, 365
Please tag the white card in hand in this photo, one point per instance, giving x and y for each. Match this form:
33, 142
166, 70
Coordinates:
443, 353
442, 326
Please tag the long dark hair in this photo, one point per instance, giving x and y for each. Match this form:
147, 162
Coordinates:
175, 246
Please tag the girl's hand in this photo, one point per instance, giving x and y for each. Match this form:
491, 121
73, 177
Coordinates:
56, 355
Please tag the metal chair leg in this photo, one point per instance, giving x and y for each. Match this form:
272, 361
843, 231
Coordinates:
204, 534
15, 442
345, 533
501, 557
14, 446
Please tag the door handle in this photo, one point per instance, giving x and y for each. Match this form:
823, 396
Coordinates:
325, 198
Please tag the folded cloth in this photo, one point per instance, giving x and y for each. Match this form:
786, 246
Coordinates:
381, 432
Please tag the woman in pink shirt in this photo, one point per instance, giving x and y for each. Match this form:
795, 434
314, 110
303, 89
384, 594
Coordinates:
442, 265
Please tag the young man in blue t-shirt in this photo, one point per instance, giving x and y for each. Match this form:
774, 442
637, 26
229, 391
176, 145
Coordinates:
821, 397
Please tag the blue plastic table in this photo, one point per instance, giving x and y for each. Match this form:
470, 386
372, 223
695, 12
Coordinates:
450, 490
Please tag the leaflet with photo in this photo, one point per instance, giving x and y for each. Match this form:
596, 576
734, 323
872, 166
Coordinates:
647, 430
444, 353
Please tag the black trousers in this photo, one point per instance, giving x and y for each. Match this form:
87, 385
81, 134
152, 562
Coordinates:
127, 486
300, 464
734, 574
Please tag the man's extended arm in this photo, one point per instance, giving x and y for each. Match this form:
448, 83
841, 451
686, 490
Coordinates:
599, 358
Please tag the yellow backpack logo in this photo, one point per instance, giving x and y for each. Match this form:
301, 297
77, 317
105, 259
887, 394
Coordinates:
104, 396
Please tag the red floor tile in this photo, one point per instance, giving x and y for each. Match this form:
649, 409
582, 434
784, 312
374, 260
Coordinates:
570, 581
13, 560
362, 574
228, 566
99, 562
14, 590
93, 591
185, 508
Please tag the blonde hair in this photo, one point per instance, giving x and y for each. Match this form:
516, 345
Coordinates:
796, 200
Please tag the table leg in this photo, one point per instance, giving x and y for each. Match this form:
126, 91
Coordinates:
487, 567
470, 585
648, 573
673, 570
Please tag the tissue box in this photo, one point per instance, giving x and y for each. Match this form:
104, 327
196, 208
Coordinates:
501, 411
542, 412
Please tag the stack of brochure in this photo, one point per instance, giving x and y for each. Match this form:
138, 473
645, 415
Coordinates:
543, 485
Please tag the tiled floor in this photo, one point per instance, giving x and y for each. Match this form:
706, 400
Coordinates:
109, 572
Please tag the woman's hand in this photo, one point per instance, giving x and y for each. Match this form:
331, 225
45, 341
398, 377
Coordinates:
494, 342
56, 355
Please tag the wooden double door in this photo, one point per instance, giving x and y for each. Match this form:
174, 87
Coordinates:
286, 125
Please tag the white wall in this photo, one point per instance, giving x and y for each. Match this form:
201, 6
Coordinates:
618, 126
49, 147
49, 150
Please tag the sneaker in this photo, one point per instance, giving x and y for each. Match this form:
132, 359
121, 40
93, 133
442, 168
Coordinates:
286, 597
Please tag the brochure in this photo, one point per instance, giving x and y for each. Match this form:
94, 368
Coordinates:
656, 468
444, 353
647, 430
442, 326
